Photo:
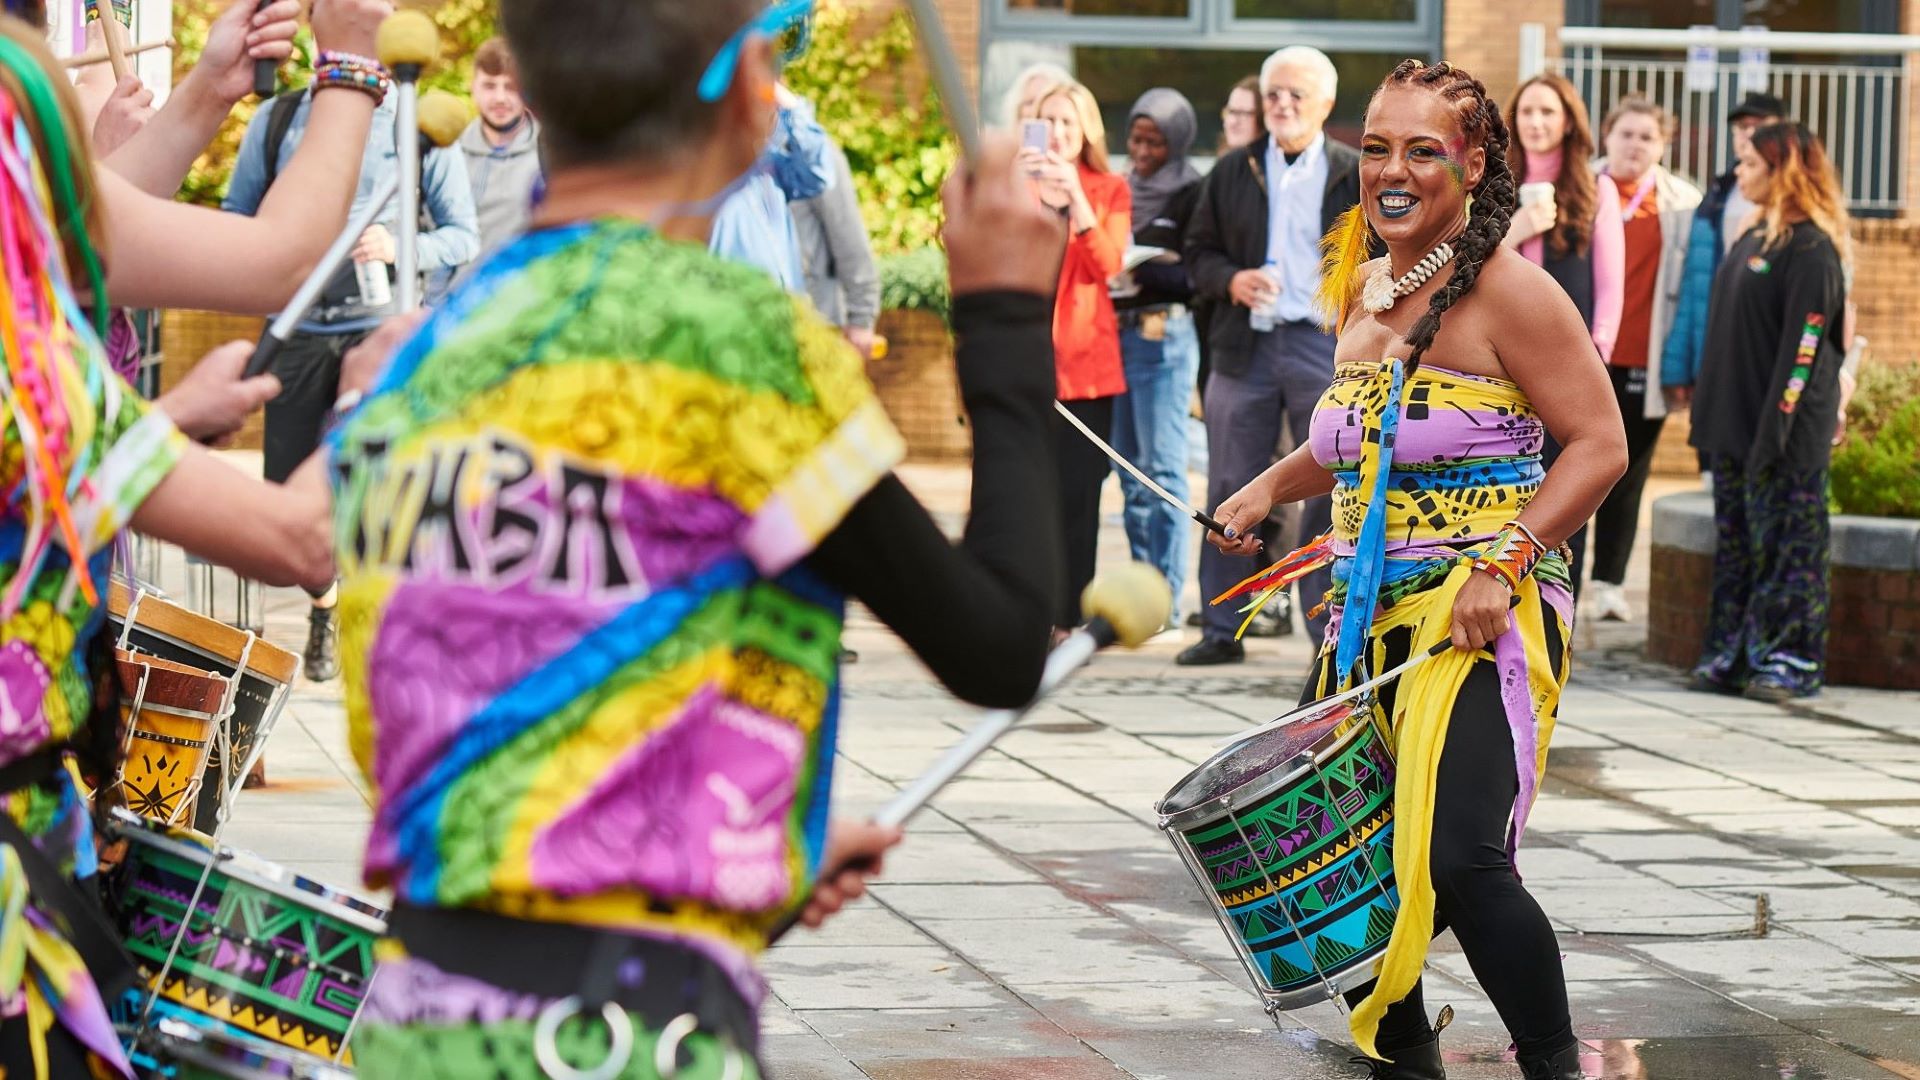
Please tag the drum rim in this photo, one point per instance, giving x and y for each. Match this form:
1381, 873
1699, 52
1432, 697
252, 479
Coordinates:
197, 1045
146, 832
1219, 806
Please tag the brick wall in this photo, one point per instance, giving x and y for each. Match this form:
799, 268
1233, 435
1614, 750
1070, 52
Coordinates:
1483, 36
1874, 637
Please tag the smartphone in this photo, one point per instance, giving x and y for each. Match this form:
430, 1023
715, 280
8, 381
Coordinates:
1033, 135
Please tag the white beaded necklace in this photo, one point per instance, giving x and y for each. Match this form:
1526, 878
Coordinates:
1381, 291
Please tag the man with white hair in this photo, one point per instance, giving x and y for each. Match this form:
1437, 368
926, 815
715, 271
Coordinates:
1253, 246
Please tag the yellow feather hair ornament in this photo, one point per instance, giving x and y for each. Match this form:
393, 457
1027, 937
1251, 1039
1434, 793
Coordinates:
1343, 251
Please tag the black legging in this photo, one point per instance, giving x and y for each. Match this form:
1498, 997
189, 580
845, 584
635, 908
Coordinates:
1083, 469
1618, 519
1506, 937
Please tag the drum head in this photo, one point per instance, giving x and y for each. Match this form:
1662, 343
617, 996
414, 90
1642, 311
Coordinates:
1243, 766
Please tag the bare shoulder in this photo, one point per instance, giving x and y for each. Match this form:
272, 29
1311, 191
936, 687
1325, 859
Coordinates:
1509, 276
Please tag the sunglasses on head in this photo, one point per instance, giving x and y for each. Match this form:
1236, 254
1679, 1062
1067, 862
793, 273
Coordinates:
789, 23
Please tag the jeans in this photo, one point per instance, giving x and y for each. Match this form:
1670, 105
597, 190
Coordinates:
1291, 366
1150, 430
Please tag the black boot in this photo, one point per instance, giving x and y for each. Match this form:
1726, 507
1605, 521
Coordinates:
1418, 1062
1564, 1065
323, 645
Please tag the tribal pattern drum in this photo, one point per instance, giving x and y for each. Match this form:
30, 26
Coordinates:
171, 632
169, 712
267, 952
1290, 835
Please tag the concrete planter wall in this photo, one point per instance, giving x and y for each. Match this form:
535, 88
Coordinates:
1874, 638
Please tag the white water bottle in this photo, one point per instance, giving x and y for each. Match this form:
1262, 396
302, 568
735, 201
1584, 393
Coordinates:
376, 289
1261, 318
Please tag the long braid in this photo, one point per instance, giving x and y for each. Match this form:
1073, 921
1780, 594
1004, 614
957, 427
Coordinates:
1494, 197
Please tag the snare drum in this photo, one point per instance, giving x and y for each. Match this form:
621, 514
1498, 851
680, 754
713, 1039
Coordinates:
1290, 836
180, 1050
168, 711
272, 954
171, 632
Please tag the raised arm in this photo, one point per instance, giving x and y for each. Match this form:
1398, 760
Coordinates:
241, 264
157, 158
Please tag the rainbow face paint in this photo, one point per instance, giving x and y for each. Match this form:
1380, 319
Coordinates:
1452, 159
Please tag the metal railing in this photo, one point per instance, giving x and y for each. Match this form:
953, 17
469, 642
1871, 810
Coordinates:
1858, 108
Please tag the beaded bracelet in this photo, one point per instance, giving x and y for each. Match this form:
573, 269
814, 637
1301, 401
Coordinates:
355, 72
1511, 556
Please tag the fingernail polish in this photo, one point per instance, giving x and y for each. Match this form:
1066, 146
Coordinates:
1232, 534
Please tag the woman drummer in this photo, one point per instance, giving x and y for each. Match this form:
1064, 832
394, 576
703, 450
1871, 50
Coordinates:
81, 456
1457, 357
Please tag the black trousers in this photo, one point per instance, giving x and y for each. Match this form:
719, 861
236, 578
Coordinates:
1082, 471
1618, 520
308, 367
1506, 937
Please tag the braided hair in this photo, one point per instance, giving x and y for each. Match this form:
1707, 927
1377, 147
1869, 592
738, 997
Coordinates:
1493, 198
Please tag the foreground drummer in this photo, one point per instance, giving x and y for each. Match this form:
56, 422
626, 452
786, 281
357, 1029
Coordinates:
595, 527
1430, 439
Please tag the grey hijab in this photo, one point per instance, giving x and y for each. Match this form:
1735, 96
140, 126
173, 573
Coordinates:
1172, 113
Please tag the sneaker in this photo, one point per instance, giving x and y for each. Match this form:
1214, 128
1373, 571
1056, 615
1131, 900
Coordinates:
323, 645
1608, 602
1769, 689
1274, 620
1211, 651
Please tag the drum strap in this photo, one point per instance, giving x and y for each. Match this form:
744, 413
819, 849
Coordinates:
75, 912
654, 979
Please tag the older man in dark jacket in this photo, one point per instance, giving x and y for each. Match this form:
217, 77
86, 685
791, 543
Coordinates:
1253, 246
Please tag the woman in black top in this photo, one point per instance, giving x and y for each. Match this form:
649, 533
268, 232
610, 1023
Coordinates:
1764, 413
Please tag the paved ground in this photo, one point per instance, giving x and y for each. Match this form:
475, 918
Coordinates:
1036, 924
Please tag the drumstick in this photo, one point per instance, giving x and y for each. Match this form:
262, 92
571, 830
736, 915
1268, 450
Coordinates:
97, 55
110, 34
1113, 455
409, 43
1367, 687
1128, 605
955, 98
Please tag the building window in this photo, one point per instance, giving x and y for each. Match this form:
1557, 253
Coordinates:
1118, 48
1322, 10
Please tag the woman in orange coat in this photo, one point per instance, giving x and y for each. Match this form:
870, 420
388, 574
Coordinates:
1072, 176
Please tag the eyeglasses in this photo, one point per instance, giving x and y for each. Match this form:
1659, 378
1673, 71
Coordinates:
1272, 97
1240, 114
788, 22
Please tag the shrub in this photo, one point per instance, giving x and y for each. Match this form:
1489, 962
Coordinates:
1876, 470
915, 281
864, 84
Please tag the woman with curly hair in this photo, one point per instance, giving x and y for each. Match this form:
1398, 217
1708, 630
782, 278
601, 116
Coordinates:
1457, 359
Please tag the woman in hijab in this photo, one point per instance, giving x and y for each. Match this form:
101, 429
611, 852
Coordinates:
1158, 346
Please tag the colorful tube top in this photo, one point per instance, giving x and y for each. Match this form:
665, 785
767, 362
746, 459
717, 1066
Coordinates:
1465, 460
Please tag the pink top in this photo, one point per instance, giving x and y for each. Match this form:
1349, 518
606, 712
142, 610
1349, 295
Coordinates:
1609, 251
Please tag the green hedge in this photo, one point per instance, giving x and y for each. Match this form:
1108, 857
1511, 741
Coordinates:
916, 281
1876, 470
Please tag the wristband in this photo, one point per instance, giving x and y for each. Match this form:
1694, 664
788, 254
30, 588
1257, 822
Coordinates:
1511, 556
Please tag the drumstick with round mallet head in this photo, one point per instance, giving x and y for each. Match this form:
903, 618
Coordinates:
409, 43
1312, 708
1127, 605
1113, 455
442, 118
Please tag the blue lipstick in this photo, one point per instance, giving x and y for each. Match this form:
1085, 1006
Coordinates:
1397, 212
